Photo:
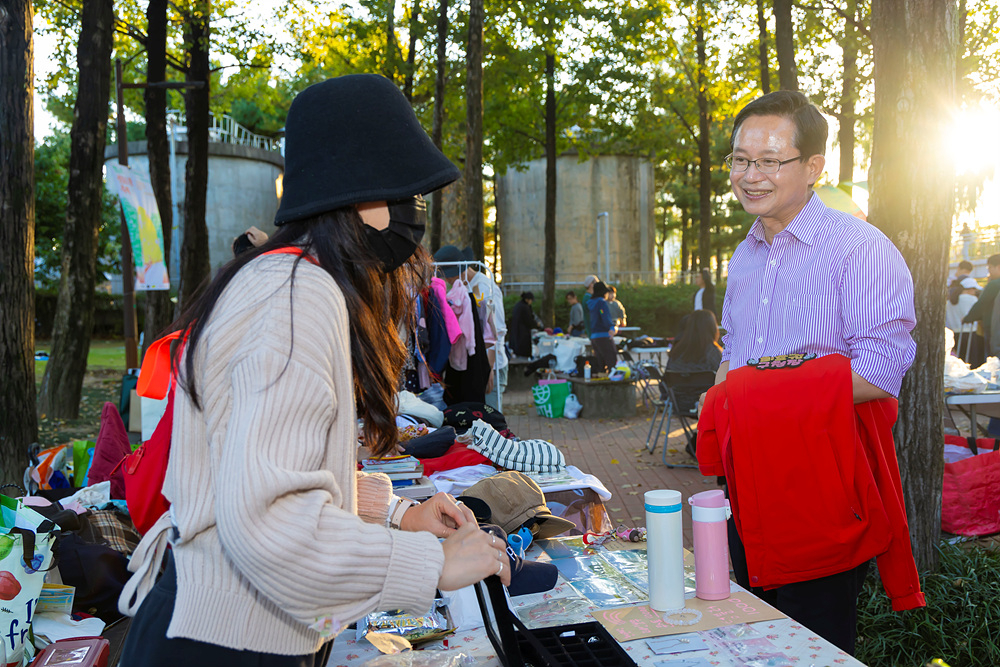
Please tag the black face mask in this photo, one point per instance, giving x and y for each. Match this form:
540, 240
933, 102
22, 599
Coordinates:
399, 240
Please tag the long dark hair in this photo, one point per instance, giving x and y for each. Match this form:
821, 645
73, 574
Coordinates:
700, 334
377, 304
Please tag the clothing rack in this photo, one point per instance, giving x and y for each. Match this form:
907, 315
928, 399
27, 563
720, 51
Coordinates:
482, 268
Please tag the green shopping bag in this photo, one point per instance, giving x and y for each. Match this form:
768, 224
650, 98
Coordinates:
26, 539
550, 398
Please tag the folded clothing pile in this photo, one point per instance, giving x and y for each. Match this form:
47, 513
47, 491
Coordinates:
523, 455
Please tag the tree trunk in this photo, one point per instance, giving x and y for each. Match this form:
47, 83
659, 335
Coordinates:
18, 419
389, 64
474, 131
848, 98
549, 276
684, 240
913, 201
784, 42
765, 67
437, 131
704, 149
62, 383
411, 54
195, 266
159, 309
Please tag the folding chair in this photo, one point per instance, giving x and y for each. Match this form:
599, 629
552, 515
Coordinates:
688, 386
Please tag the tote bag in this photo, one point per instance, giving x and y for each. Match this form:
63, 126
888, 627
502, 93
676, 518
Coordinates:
970, 502
26, 539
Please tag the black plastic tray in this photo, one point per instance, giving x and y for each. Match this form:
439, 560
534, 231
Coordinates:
576, 645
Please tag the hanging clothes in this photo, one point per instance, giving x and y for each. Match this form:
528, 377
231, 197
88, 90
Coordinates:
469, 384
438, 340
439, 292
461, 302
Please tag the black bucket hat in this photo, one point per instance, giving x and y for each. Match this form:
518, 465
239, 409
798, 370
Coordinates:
355, 139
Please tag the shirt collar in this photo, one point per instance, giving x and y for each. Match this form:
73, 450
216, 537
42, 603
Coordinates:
803, 226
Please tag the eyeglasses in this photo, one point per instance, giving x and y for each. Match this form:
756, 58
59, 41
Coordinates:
765, 165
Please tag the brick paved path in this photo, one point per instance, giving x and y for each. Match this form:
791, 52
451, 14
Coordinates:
614, 450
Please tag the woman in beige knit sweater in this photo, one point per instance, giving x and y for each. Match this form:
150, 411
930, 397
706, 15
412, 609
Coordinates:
277, 542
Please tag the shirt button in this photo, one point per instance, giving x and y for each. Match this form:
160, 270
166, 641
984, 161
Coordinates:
772, 262
760, 340
765, 300
753, 579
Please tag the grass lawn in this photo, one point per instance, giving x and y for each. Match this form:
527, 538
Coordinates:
105, 366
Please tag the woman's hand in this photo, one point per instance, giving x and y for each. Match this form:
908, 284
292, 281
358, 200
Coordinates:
439, 515
471, 555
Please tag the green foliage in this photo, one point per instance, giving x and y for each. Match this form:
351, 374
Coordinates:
51, 184
959, 624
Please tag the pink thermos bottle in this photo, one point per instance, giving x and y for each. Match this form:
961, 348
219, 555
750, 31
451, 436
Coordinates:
709, 511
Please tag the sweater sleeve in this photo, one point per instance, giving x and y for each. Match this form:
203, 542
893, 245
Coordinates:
282, 515
374, 493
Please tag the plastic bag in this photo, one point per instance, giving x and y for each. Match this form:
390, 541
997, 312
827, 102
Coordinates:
550, 399
572, 407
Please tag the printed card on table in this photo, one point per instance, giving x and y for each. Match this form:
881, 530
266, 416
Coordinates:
639, 622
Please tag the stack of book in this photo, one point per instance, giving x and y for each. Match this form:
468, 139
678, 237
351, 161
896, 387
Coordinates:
398, 468
406, 473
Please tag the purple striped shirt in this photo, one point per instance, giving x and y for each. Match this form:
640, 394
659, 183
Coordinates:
828, 283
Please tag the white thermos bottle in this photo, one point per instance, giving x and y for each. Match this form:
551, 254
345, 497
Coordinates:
665, 549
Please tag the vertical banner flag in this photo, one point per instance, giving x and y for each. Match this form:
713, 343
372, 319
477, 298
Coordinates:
145, 230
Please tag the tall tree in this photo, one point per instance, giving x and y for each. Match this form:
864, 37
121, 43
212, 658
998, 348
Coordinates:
62, 383
762, 57
784, 42
704, 145
159, 309
18, 419
848, 96
474, 131
195, 266
411, 54
549, 268
915, 45
441, 64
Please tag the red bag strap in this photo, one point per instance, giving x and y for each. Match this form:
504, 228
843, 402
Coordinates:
292, 250
154, 376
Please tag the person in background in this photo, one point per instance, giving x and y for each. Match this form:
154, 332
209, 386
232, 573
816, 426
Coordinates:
964, 270
576, 320
704, 298
248, 240
617, 309
522, 320
968, 343
588, 285
602, 329
276, 541
984, 310
697, 348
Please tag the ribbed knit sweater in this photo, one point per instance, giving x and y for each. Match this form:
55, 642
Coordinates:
277, 530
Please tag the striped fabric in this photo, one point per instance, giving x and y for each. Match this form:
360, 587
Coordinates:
521, 455
828, 283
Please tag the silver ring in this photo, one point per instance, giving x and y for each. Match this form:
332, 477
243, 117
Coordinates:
500, 571
494, 538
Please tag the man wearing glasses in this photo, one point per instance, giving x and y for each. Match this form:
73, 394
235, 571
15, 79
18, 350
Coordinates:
807, 280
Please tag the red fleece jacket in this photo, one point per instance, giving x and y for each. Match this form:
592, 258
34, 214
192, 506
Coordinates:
813, 478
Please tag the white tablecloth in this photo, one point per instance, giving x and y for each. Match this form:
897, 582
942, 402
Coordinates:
804, 647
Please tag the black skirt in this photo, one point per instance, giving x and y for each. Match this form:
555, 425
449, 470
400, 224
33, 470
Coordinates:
147, 644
